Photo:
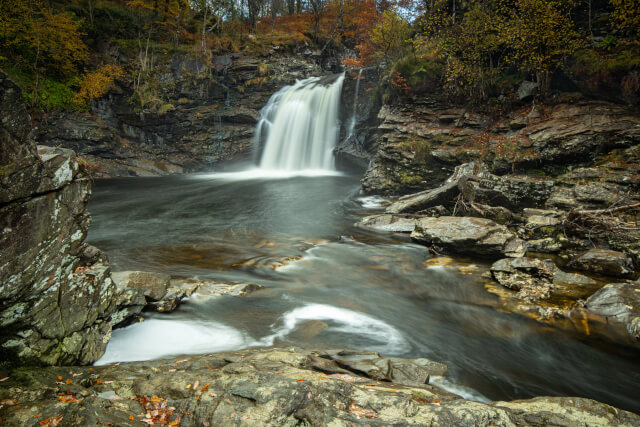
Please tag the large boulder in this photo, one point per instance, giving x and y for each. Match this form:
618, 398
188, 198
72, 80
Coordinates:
468, 236
56, 294
619, 304
604, 261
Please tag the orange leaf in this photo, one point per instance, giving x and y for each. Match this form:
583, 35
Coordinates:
59, 377
69, 381
99, 382
131, 417
205, 387
37, 416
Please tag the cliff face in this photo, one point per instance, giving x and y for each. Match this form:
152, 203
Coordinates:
419, 142
56, 294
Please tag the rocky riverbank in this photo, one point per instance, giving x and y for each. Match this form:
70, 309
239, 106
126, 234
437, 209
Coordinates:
273, 387
548, 192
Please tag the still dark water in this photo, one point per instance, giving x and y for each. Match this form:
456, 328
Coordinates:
349, 289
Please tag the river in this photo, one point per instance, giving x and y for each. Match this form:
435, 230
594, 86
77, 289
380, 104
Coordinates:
329, 284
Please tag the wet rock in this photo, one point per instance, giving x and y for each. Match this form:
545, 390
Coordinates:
213, 288
391, 223
468, 236
152, 285
532, 278
604, 261
274, 387
618, 303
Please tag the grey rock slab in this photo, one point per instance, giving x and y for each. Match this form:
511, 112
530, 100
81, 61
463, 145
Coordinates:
468, 236
390, 223
604, 261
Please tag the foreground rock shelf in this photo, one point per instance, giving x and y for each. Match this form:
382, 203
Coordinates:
272, 387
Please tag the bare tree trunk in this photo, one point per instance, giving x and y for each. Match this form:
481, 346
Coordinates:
204, 29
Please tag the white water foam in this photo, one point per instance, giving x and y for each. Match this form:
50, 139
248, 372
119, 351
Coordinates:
388, 338
372, 202
261, 174
155, 339
466, 392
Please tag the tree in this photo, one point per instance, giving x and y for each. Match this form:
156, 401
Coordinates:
390, 35
626, 15
45, 41
539, 34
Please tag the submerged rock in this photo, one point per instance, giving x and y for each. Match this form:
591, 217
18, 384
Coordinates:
274, 387
468, 236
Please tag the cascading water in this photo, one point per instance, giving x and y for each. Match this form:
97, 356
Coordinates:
352, 122
298, 127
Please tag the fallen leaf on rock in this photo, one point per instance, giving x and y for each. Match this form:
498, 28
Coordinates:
68, 398
361, 412
37, 416
172, 370
52, 422
131, 417
99, 382
69, 381
196, 385
3, 379
205, 387
228, 401
180, 361
7, 402
59, 377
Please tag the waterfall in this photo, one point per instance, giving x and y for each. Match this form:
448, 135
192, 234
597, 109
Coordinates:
352, 123
298, 127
